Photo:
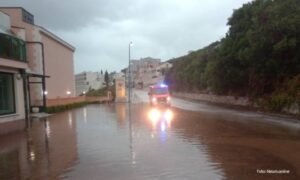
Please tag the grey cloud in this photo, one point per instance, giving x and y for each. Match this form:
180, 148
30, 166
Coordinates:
101, 30
69, 14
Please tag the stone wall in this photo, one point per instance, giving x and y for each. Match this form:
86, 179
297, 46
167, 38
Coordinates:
240, 101
230, 100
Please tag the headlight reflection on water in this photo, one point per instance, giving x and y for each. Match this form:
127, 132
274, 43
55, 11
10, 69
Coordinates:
169, 115
156, 115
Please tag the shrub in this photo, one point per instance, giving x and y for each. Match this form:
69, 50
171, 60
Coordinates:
60, 108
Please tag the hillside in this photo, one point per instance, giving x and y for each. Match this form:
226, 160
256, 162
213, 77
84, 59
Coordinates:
259, 57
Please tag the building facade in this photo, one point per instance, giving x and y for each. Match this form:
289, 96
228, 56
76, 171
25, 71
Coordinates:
13, 64
88, 80
147, 71
47, 55
34, 62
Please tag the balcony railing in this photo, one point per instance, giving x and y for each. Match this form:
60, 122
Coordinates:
12, 48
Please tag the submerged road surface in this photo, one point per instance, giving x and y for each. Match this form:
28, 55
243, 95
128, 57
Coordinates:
134, 142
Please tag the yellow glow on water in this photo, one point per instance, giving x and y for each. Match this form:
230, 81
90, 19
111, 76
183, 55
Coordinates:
169, 115
32, 156
154, 115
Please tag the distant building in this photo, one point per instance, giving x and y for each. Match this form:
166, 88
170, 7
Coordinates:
147, 71
35, 65
86, 81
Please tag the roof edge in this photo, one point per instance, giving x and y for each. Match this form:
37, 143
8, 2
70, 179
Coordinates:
56, 38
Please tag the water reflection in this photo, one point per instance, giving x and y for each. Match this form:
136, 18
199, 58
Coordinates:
84, 115
48, 129
136, 141
160, 119
44, 152
120, 109
70, 119
162, 116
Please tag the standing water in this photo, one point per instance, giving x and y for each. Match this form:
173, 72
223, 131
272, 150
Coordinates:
123, 142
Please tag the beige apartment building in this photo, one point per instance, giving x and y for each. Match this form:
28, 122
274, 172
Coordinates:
148, 71
35, 66
88, 80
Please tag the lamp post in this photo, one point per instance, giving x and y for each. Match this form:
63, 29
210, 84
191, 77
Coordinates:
129, 73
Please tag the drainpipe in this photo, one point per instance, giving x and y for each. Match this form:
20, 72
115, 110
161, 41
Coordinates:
43, 61
43, 78
25, 92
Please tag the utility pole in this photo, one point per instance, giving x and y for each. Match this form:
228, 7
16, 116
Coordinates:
129, 73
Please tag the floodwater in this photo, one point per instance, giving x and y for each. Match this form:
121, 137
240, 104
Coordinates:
122, 142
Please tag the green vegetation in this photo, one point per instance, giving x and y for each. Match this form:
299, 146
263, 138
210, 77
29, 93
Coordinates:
102, 91
98, 92
259, 57
55, 109
284, 96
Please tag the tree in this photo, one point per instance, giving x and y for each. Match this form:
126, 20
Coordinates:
106, 78
259, 53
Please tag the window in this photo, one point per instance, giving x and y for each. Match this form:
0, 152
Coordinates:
7, 95
15, 49
159, 90
4, 46
22, 50
12, 48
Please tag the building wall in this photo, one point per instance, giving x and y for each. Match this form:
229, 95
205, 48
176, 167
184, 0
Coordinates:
4, 22
15, 121
86, 80
80, 84
59, 63
148, 71
60, 67
14, 14
7, 63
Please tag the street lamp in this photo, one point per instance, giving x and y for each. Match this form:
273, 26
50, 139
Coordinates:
129, 73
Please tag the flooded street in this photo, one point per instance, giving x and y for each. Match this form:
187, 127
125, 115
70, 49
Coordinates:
118, 141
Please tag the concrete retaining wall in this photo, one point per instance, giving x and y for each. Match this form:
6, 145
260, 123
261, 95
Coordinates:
240, 101
230, 100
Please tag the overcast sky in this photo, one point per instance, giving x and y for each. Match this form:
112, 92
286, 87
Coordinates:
102, 29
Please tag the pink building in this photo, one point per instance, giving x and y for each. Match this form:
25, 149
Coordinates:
58, 55
47, 64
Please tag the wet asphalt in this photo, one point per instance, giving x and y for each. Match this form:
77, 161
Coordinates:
122, 141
